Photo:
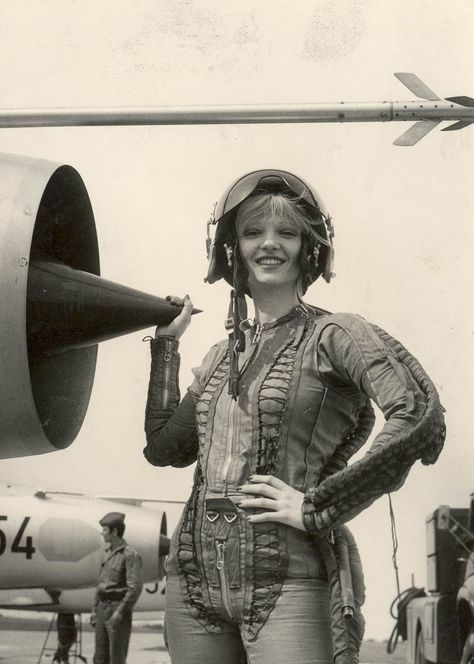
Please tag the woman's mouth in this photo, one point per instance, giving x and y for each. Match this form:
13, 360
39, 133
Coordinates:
269, 261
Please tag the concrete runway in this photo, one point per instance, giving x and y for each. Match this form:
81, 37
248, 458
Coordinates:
24, 647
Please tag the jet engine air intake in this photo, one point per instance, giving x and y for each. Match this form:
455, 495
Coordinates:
55, 305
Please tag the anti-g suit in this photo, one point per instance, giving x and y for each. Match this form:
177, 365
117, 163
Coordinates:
306, 383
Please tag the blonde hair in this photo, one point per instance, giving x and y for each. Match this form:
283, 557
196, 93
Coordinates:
293, 209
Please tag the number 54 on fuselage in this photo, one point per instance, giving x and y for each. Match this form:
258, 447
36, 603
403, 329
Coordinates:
51, 548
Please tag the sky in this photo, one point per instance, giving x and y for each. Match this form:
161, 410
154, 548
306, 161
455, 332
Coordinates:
403, 216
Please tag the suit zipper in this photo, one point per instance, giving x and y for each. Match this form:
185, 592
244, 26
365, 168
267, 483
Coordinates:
233, 415
166, 373
220, 564
230, 445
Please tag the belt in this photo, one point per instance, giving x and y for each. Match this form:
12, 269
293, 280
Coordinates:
111, 597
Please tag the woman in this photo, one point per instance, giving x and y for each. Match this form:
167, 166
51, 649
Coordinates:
272, 418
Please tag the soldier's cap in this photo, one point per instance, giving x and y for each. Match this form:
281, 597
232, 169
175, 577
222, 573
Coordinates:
112, 519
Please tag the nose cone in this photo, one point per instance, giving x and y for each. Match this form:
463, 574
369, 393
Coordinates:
69, 309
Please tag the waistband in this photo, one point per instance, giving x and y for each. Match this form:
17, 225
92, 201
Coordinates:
111, 596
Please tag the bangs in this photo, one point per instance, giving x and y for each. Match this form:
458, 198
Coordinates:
294, 210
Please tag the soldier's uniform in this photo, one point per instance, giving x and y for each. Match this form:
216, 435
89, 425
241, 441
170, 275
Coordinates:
118, 588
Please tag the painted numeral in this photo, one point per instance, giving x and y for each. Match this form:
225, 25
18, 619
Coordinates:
17, 547
3, 539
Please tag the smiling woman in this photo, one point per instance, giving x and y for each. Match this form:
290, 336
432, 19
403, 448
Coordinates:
260, 565
271, 230
270, 251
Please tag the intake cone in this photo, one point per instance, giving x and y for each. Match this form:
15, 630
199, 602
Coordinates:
69, 308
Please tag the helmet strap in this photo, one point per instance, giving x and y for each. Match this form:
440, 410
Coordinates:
237, 314
230, 255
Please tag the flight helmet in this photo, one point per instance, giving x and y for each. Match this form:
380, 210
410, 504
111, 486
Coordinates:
222, 224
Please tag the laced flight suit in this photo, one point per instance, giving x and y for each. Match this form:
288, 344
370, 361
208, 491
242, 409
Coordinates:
305, 391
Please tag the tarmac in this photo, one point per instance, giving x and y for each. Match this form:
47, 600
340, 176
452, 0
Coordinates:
146, 647
24, 647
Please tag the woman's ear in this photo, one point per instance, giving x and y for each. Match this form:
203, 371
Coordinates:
316, 254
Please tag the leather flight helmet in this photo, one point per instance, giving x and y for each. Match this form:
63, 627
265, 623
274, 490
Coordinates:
258, 182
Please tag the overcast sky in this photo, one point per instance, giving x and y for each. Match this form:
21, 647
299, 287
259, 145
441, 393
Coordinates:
403, 216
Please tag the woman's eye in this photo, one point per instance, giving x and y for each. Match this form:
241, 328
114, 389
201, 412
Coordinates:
289, 233
251, 232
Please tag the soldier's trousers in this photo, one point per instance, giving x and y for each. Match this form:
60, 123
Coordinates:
111, 644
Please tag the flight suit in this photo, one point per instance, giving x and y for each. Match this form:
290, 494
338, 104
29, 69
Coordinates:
304, 408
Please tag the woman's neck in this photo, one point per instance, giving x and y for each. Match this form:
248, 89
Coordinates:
271, 305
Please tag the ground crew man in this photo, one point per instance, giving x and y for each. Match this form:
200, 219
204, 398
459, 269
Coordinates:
118, 588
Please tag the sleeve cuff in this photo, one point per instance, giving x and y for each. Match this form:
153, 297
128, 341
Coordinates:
308, 516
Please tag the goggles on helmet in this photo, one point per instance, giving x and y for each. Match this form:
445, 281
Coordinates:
264, 182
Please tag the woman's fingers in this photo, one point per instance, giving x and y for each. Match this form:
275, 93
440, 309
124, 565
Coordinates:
271, 480
270, 493
276, 517
178, 326
259, 503
265, 485
260, 489
174, 299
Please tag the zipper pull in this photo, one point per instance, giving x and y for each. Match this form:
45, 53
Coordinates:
257, 333
168, 350
220, 546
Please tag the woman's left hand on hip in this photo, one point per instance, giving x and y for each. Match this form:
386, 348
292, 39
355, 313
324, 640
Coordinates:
279, 501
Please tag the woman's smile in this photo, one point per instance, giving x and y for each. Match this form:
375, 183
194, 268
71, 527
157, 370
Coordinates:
270, 261
270, 249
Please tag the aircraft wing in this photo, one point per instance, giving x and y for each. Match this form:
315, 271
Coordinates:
74, 601
27, 599
133, 500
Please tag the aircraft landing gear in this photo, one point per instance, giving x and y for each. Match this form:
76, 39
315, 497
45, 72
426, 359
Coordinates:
69, 648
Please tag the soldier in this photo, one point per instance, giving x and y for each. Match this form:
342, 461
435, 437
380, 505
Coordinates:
118, 589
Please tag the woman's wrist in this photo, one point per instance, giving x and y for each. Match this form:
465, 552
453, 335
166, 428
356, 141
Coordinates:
167, 344
165, 335
163, 388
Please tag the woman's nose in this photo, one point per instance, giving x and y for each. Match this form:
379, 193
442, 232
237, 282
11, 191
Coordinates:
269, 240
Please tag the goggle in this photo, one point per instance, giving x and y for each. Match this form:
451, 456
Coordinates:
264, 181
268, 181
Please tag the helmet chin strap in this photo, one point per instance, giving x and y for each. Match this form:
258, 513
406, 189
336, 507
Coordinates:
237, 313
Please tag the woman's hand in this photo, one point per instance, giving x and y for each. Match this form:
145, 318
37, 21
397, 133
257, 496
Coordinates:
280, 501
178, 326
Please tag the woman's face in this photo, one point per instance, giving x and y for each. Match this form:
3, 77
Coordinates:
270, 249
